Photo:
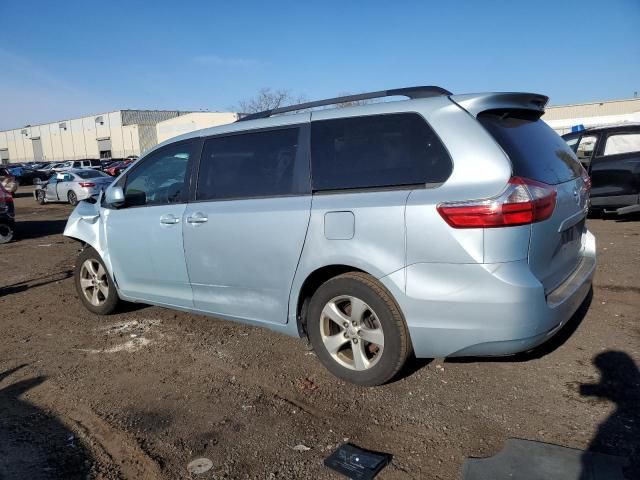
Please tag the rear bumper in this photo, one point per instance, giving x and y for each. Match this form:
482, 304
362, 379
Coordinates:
486, 309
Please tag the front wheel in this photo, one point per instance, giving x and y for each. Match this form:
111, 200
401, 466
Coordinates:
73, 198
40, 197
94, 284
357, 330
6, 233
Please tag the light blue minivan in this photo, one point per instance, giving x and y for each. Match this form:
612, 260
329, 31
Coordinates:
439, 225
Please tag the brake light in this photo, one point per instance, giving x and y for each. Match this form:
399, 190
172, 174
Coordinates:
523, 202
5, 197
87, 184
586, 181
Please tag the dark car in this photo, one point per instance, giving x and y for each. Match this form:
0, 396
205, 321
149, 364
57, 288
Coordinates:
7, 216
33, 177
611, 155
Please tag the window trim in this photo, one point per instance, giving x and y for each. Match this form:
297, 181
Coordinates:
376, 188
304, 149
122, 182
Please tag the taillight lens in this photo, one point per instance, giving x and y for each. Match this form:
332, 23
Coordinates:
87, 184
524, 201
586, 181
5, 197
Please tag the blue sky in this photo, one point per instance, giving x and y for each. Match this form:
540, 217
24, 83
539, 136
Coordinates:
68, 58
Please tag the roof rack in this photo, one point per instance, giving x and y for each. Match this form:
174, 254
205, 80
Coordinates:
411, 92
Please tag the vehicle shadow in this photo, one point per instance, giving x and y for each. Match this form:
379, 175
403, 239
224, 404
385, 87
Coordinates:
619, 434
22, 194
35, 282
29, 229
34, 443
544, 349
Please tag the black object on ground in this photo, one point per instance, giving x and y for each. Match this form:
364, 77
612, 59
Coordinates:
357, 463
530, 460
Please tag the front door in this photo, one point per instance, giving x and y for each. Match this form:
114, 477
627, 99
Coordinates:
144, 237
615, 171
245, 230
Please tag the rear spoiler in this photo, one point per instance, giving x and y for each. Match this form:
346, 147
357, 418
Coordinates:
475, 103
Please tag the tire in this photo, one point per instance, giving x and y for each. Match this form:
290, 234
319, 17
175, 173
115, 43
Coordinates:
358, 359
40, 197
6, 233
73, 198
94, 285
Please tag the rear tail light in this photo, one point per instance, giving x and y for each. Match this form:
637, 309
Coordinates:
524, 201
586, 181
5, 197
87, 184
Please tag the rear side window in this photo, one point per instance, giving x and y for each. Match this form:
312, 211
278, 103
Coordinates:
535, 150
258, 164
376, 151
622, 143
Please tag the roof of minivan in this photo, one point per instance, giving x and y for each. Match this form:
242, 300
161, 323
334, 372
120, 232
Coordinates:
472, 102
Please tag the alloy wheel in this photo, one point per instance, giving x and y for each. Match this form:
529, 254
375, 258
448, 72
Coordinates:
94, 282
351, 332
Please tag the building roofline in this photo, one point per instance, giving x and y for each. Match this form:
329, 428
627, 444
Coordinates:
96, 115
596, 102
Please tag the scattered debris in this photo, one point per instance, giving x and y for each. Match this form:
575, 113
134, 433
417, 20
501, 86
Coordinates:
300, 448
307, 384
199, 466
357, 463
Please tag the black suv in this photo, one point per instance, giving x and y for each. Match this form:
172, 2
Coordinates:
611, 155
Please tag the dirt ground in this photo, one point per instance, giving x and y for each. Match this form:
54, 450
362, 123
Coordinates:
142, 393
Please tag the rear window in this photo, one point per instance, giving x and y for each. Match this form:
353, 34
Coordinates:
376, 151
535, 150
90, 174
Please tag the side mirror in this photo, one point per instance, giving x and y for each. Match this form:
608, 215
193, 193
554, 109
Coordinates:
114, 196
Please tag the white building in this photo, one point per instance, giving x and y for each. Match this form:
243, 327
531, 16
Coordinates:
595, 114
192, 121
107, 135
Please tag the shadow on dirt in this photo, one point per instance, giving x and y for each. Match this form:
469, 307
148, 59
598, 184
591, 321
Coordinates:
35, 282
619, 434
27, 229
33, 443
546, 348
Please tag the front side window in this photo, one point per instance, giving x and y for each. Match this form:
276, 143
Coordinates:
376, 151
161, 178
585, 148
622, 143
258, 164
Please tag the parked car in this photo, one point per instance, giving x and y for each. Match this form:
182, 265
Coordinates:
611, 155
7, 216
51, 167
72, 186
33, 177
8, 181
116, 168
445, 225
89, 163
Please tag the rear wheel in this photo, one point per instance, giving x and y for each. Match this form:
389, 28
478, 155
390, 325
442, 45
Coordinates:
6, 233
94, 284
357, 329
40, 197
73, 198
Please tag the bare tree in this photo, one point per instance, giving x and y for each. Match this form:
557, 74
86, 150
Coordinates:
268, 99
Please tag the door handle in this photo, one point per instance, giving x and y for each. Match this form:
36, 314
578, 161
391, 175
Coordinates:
169, 219
197, 218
